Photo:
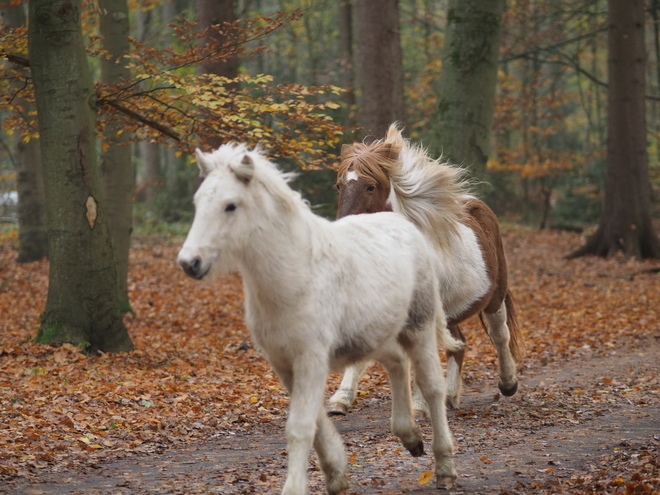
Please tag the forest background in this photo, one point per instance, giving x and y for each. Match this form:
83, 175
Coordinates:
547, 164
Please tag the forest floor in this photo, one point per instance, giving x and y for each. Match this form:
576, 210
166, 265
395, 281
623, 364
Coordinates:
196, 408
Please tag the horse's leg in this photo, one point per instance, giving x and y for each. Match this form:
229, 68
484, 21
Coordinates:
420, 408
332, 457
305, 382
454, 368
499, 334
402, 423
342, 400
430, 380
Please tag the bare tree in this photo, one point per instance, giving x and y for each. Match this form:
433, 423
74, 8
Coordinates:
82, 306
625, 224
467, 83
116, 164
380, 63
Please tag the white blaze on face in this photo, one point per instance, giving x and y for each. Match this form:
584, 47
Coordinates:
351, 175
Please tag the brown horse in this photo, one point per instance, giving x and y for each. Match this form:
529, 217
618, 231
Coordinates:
393, 174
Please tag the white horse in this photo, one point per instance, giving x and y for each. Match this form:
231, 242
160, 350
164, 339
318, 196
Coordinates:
393, 174
320, 296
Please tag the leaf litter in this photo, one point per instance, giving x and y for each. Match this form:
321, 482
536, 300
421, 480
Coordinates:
196, 375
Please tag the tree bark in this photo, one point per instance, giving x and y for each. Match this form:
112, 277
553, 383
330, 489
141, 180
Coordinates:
380, 63
82, 305
116, 159
467, 83
626, 221
216, 13
346, 68
32, 235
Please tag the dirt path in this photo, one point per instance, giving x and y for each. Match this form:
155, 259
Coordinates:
587, 425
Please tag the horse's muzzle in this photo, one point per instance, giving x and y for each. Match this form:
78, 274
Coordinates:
194, 267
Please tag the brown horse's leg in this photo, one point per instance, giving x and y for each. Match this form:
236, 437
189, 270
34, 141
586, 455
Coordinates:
454, 368
499, 334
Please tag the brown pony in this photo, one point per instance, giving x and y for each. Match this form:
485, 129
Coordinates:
392, 174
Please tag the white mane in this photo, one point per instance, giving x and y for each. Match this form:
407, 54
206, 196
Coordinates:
430, 192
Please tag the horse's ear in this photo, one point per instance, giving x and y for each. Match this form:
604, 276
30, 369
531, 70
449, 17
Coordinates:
391, 150
245, 171
202, 163
345, 150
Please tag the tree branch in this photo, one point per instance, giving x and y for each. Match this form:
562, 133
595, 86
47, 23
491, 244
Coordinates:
145, 120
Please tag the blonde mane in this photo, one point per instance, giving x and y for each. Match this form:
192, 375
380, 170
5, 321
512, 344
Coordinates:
429, 192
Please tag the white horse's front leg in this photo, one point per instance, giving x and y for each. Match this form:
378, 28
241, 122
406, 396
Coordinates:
342, 400
306, 385
499, 334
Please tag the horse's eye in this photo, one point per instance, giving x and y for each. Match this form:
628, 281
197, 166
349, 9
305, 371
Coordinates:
371, 188
230, 207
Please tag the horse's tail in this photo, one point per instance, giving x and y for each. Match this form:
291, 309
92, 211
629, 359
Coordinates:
516, 340
445, 339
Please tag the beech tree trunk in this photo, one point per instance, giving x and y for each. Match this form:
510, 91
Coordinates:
626, 221
116, 159
82, 305
380, 66
216, 13
32, 235
467, 83
346, 68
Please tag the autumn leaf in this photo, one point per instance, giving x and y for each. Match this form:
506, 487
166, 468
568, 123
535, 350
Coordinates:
425, 477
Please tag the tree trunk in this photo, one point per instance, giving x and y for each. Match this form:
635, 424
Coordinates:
380, 63
216, 13
467, 83
346, 67
116, 163
82, 306
32, 235
626, 221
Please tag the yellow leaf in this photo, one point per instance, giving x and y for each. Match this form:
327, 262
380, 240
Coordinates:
178, 154
26, 139
105, 147
425, 477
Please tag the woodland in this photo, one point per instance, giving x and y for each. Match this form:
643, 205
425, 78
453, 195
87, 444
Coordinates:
109, 354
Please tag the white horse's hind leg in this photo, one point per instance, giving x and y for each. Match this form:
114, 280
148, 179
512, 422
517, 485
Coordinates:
428, 370
454, 369
332, 457
499, 334
342, 400
420, 408
402, 422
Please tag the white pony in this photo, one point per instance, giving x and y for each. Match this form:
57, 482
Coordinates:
320, 296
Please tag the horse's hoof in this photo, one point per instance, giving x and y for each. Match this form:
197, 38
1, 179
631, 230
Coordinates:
444, 482
338, 486
453, 402
508, 391
337, 409
417, 450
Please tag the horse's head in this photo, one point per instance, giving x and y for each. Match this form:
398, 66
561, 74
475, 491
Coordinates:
222, 211
363, 177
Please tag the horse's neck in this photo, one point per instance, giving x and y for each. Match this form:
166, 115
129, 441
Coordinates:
275, 265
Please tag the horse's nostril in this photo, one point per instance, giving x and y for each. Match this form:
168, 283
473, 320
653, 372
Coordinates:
193, 268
